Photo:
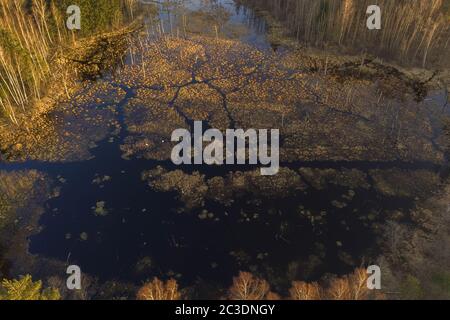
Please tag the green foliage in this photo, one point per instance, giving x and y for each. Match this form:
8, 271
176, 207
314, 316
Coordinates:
8, 42
26, 289
411, 288
442, 283
96, 15
10, 45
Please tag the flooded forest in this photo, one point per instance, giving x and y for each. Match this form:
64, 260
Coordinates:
87, 180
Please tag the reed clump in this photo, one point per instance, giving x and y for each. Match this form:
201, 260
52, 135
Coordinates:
412, 31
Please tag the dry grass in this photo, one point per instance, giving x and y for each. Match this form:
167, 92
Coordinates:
411, 30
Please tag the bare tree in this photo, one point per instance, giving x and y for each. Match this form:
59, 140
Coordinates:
247, 287
158, 290
305, 291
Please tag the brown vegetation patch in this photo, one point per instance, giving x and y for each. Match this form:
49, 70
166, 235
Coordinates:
321, 116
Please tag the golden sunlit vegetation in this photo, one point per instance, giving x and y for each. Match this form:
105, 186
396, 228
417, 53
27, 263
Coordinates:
305, 291
159, 290
411, 30
32, 34
247, 286
25, 46
92, 56
350, 287
26, 289
227, 84
59, 137
352, 128
194, 189
325, 109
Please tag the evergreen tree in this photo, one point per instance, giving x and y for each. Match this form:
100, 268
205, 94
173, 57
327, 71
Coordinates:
26, 289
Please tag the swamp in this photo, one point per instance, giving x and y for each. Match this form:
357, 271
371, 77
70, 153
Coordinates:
86, 123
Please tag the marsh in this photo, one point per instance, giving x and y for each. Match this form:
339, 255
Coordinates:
363, 155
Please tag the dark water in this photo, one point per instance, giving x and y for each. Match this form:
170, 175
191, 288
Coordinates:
143, 234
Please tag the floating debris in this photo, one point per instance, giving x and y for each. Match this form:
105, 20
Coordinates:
144, 265
61, 179
101, 180
99, 209
338, 204
83, 236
